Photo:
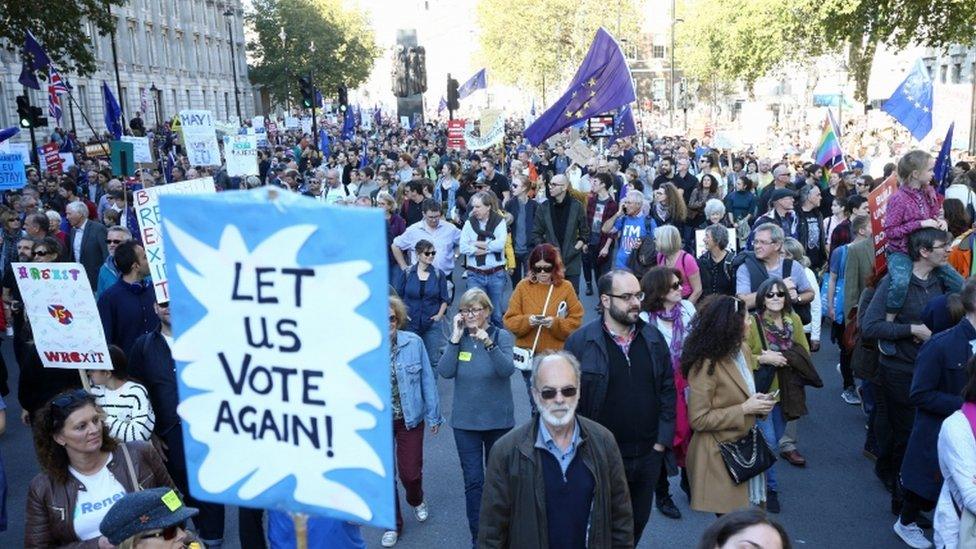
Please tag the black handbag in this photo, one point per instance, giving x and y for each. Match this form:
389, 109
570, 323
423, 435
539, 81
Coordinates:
747, 457
766, 373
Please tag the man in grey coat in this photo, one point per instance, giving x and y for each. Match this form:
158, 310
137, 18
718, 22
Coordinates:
557, 481
561, 221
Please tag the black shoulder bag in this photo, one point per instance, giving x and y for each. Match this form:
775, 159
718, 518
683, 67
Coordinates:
747, 457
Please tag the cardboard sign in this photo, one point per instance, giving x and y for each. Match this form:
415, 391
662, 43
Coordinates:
200, 137
455, 134
12, 172
257, 122
50, 158
140, 149
264, 370
146, 203
307, 126
20, 149
700, 242
60, 304
98, 150
123, 158
877, 204
579, 153
490, 135
241, 154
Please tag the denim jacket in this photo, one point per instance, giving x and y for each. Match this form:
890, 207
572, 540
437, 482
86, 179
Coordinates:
418, 386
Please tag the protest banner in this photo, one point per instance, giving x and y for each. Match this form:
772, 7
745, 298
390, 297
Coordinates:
700, 242
49, 158
98, 150
146, 203
490, 135
67, 160
292, 123
455, 134
200, 137
60, 305
141, 151
579, 152
12, 172
405, 122
20, 149
241, 154
877, 204
265, 369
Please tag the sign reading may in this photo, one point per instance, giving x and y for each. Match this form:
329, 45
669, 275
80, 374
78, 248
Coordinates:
147, 214
280, 327
61, 307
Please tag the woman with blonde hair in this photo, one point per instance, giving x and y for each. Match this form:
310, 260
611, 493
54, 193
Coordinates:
671, 254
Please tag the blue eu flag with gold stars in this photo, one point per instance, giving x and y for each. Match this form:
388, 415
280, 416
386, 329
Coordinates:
911, 104
602, 84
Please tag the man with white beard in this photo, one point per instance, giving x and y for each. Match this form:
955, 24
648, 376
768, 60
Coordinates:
584, 500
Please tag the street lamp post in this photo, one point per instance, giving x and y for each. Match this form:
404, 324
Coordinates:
156, 104
671, 86
233, 63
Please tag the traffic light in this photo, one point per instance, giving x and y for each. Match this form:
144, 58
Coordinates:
452, 94
37, 118
343, 97
23, 111
308, 92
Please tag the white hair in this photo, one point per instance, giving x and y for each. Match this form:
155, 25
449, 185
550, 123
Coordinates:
77, 207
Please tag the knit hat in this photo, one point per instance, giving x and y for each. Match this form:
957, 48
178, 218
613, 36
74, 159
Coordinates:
139, 512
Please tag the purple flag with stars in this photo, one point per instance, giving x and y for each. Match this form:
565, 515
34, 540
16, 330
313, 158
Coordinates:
602, 84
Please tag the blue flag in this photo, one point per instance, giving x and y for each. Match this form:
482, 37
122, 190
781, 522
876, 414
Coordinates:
623, 123
358, 115
378, 116
113, 113
325, 144
943, 164
34, 58
477, 82
348, 125
363, 161
911, 104
441, 105
602, 84
318, 99
7, 133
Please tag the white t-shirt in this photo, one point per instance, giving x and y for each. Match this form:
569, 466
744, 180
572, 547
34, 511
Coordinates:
100, 493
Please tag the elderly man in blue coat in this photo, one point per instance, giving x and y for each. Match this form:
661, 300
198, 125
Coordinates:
939, 377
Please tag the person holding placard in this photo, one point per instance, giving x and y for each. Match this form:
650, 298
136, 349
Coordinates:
128, 413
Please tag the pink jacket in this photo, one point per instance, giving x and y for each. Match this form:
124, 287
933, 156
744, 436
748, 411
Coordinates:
906, 210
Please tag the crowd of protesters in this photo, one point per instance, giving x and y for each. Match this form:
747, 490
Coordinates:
714, 272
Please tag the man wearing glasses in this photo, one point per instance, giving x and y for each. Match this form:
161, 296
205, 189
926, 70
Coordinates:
584, 485
768, 261
628, 386
109, 273
445, 237
561, 221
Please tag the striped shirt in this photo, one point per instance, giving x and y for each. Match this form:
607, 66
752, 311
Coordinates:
129, 414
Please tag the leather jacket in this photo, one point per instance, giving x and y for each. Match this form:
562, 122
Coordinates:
50, 504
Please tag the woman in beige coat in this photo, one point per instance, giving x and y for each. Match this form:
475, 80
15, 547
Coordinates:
722, 403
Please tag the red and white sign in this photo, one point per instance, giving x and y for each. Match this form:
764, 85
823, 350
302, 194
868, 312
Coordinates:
52, 158
455, 134
877, 205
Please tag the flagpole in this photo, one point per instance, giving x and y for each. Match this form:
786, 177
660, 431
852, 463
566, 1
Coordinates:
115, 62
71, 100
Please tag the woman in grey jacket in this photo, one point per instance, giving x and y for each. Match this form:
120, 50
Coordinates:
478, 358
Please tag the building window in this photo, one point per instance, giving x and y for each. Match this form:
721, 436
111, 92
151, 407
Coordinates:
179, 61
957, 73
658, 52
942, 73
133, 45
176, 106
196, 49
189, 103
150, 46
83, 95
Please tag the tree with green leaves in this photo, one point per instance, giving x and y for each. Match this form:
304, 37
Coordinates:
538, 44
344, 47
60, 29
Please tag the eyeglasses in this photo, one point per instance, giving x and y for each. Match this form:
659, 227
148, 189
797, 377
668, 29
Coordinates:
629, 297
762, 242
40, 252
776, 295
431, 253
169, 533
542, 268
549, 393
471, 312
113, 241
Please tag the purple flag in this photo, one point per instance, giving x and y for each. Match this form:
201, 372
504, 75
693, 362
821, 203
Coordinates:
623, 123
602, 84
943, 164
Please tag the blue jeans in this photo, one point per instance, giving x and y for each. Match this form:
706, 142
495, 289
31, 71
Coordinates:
900, 275
434, 339
772, 427
494, 286
473, 448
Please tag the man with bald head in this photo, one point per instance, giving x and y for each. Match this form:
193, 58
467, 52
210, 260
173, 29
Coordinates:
561, 221
585, 502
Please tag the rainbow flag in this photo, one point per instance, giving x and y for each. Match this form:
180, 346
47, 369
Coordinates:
829, 153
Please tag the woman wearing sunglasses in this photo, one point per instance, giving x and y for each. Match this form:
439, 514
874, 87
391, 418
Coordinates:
84, 472
664, 308
778, 344
150, 519
544, 303
47, 250
423, 288
478, 357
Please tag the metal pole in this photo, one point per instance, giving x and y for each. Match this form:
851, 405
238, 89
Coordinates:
315, 131
233, 63
30, 114
671, 90
450, 111
115, 63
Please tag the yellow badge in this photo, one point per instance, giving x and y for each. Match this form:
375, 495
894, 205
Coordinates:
172, 500
464, 356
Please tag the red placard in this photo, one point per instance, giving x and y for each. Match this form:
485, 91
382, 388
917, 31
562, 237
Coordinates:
877, 204
455, 134
51, 158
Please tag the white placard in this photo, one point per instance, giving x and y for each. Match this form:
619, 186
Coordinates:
141, 153
200, 137
241, 154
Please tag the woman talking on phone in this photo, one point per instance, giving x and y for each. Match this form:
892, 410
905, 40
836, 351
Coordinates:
478, 357
544, 309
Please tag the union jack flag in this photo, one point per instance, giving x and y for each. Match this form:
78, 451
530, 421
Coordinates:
55, 87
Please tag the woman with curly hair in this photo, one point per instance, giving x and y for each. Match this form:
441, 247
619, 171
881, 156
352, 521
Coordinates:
707, 189
84, 471
723, 404
669, 206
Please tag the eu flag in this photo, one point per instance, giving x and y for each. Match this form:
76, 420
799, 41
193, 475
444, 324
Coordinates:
477, 82
911, 104
602, 84
34, 59
943, 164
325, 144
348, 125
441, 105
623, 123
113, 113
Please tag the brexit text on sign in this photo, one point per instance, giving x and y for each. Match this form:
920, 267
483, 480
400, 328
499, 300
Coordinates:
280, 327
61, 308
147, 213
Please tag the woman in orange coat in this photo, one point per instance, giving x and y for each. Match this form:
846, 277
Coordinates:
544, 309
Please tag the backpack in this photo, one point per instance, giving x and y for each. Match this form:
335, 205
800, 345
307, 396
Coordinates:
644, 258
758, 274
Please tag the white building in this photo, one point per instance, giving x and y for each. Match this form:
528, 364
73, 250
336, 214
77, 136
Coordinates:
180, 47
953, 76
